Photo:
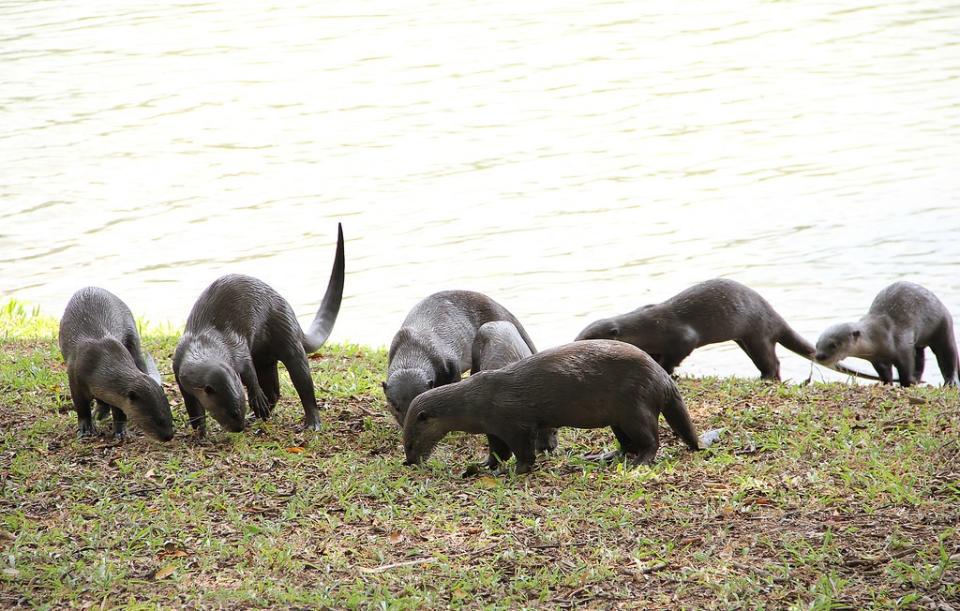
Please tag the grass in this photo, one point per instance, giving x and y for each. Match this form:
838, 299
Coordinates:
815, 497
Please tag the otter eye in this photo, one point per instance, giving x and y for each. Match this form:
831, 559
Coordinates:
430, 383
132, 395
423, 416
209, 390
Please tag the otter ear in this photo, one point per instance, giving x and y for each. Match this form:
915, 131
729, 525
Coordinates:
384, 385
614, 331
209, 390
855, 334
423, 416
132, 395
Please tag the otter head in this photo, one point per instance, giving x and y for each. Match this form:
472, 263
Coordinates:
423, 428
606, 328
146, 405
219, 390
402, 386
837, 342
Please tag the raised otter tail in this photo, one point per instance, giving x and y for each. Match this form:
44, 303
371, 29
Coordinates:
152, 369
675, 412
792, 341
322, 324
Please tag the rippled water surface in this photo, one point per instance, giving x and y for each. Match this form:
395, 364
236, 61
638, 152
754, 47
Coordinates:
571, 159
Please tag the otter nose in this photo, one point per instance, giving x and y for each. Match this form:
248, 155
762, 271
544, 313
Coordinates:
820, 356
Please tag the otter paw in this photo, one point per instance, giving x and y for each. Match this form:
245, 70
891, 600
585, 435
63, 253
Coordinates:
260, 406
86, 429
121, 435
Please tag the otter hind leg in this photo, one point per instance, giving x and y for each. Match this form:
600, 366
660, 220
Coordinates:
764, 355
945, 349
81, 404
299, 370
639, 436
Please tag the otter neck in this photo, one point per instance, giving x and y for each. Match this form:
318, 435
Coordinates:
114, 372
876, 332
467, 414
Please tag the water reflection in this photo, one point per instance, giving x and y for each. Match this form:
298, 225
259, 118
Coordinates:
572, 160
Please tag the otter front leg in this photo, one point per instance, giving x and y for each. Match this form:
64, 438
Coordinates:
259, 403
904, 365
119, 424
522, 443
499, 452
884, 371
196, 413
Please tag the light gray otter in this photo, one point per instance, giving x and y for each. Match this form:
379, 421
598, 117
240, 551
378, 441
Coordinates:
100, 344
434, 345
902, 321
498, 344
587, 384
713, 311
237, 331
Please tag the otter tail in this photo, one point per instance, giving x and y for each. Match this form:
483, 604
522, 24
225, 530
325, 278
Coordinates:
152, 369
792, 341
676, 415
322, 324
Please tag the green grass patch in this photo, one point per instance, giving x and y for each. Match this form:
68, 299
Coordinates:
815, 497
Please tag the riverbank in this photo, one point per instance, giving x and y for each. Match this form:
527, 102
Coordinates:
821, 496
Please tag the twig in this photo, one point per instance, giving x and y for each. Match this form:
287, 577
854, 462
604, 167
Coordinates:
387, 567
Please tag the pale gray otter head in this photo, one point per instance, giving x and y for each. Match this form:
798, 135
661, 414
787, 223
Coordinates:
219, 390
837, 342
402, 386
424, 426
145, 404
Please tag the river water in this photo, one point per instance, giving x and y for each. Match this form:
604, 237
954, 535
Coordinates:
572, 159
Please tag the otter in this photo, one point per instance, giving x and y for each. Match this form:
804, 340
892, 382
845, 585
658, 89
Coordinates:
710, 312
902, 321
237, 331
498, 343
434, 345
586, 384
100, 344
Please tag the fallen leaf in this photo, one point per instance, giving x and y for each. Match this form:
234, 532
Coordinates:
164, 572
295, 450
395, 537
149, 474
488, 482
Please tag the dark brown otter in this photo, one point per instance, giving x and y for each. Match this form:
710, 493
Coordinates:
902, 321
237, 331
497, 345
587, 384
714, 311
433, 346
100, 344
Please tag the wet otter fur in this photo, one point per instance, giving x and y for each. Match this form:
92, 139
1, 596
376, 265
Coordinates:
101, 346
585, 384
903, 320
237, 332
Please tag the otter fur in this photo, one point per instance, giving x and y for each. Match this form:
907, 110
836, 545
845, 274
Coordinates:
586, 384
101, 346
903, 320
237, 331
